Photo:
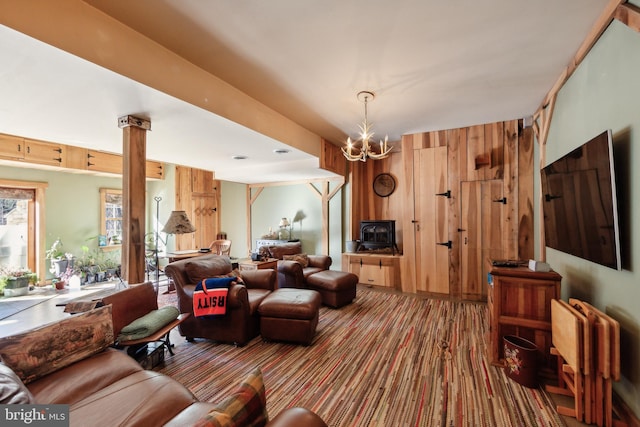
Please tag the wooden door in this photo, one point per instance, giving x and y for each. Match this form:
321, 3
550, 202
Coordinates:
482, 207
204, 217
431, 207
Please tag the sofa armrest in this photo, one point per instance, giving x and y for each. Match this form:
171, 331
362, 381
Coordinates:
320, 261
260, 279
290, 274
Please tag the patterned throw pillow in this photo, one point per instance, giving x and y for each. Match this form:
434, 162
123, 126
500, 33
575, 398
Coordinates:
247, 407
303, 259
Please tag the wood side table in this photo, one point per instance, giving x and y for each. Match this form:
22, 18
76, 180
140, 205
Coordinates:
248, 264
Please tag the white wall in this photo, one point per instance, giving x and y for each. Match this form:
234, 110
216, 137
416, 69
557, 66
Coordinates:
604, 93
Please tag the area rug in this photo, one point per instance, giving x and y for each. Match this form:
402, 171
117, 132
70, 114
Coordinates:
384, 360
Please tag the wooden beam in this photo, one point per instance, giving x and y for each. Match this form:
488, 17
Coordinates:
133, 192
598, 28
629, 15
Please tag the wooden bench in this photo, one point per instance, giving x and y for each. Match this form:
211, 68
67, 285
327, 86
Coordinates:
133, 303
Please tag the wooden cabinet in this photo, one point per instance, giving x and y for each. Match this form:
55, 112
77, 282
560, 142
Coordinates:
155, 170
519, 303
44, 153
30, 150
11, 147
373, 269
101, 161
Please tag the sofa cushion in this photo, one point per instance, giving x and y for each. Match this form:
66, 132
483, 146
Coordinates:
12, 390
247, 406
149, 323
43, 350
201, 268
303, 259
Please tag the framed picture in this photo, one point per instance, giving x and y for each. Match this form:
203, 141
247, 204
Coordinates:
384, 184
102, 240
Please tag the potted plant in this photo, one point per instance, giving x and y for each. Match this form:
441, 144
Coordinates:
57, 257
15, 280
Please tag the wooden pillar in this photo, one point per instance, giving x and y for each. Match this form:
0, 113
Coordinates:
134, 155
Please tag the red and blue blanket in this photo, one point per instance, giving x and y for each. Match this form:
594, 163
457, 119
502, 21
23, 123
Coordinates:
210, 296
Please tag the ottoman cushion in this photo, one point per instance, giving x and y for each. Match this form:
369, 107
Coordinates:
290, 314
337, 288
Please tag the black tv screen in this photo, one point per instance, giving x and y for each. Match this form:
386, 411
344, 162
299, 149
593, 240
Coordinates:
579, 203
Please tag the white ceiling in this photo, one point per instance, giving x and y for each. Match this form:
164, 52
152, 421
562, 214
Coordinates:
433, 65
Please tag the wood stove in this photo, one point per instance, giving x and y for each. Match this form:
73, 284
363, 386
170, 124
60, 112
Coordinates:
378, 234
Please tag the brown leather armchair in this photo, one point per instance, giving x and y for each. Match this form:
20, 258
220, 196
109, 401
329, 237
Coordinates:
241, 323
291, 274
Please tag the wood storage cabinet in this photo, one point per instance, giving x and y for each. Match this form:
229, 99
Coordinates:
374, 269
519, 303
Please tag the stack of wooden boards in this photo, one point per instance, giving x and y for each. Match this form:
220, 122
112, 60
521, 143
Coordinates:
587, 343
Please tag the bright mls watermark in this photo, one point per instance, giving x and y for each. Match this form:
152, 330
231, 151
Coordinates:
34, 415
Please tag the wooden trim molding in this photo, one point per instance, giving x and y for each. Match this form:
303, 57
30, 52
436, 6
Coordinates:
37, 236
629, 15
598, 28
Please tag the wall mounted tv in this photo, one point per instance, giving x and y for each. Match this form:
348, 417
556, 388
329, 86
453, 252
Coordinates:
579, 203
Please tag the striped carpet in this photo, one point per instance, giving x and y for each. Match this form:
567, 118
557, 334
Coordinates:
384, 360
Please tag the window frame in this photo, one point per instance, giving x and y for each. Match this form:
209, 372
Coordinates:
104, 218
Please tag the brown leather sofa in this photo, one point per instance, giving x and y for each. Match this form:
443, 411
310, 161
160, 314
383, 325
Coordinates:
105, 387
292, 274
242, 321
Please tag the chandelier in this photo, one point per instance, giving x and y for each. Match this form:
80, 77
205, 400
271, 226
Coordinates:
363, 148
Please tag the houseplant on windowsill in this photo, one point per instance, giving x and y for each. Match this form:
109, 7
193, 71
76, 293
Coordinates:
15, 280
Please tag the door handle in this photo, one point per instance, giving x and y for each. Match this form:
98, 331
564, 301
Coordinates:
446, 194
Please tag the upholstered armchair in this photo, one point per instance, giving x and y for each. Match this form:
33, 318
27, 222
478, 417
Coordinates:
293, 274
241, 323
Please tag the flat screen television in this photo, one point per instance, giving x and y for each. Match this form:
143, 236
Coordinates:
579, 203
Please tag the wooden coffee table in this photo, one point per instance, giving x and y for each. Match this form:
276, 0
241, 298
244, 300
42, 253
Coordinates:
248, 264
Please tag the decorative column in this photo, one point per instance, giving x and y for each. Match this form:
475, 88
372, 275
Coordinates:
134, 155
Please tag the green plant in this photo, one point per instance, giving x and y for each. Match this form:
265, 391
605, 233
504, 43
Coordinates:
55, 251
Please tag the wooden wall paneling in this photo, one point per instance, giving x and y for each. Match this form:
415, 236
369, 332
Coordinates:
494, 143
407, 205
395, 204
475, 151
183, 203
525, 194
440, 176
471, 250
331, 158
493, 225
510, 191
453, 167
425, 213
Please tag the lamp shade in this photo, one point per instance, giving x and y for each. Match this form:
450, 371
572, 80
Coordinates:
284, 222
178, 223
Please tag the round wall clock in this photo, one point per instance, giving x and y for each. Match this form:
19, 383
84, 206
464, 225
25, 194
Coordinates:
384, 184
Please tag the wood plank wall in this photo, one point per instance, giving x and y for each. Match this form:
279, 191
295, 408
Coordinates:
494, 151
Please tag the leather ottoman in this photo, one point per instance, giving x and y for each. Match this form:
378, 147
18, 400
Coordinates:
337, 288
290, 314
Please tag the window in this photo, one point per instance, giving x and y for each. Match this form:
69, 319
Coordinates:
111, 216
22, 225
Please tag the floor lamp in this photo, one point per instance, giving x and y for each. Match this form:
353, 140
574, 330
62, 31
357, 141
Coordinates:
178, 223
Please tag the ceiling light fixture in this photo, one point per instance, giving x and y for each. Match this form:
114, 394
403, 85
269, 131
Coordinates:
239, 157
362, 149
281, 151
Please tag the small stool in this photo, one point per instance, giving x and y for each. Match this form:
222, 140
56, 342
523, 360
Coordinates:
337, 288
290, 314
